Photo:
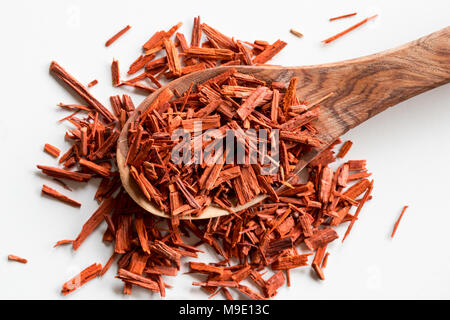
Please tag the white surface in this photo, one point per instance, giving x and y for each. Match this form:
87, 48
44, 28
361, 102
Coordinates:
406, 146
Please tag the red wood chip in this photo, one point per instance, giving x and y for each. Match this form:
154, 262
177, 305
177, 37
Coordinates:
12, 257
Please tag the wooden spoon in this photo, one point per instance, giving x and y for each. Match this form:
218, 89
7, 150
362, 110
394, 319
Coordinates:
361, 88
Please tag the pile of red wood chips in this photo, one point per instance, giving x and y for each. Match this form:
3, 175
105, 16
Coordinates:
278, 234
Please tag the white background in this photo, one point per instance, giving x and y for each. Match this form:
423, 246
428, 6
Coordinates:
406, 146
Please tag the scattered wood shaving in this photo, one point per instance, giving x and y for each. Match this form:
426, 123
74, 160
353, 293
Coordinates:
12, 257
398, 221
296, 33
344, 16
117, 36
340, 34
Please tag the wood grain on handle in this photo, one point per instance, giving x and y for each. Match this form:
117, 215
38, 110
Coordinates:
367, 86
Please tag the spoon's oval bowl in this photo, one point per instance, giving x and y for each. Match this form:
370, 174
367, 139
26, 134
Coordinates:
182, 85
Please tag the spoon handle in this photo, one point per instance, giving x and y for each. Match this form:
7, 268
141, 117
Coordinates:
366, 86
